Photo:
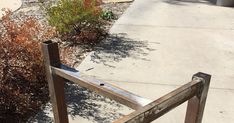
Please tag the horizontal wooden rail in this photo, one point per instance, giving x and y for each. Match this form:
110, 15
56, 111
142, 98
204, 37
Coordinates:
164, 104
195, 92
120, 95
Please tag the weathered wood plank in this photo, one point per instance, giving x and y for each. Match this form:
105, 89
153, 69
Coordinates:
56, 84
196, 104
162, 105
120, 95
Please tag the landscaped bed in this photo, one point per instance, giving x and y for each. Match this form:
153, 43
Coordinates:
23, 87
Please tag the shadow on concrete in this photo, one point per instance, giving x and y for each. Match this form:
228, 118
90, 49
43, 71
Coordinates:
42, 116
186, 2
88, 105
116, 47
83, 103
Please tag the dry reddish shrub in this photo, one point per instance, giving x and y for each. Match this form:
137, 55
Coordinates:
23, 88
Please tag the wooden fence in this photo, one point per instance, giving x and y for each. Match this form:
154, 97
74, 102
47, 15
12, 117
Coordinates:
195, 92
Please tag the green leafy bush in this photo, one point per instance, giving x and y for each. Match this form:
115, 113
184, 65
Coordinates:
76, 17
107, 15
23, 87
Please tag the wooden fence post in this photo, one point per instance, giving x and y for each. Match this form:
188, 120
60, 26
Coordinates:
56, 84
196, 104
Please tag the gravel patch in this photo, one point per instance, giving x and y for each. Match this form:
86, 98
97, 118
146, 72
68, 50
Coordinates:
79, 51
81, 102
84, 105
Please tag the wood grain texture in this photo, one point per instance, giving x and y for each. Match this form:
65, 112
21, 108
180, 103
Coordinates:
162, 105
103, 88
196, 105
56, 84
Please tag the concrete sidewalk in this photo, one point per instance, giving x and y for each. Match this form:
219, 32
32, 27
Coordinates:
9, 4
160, 44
